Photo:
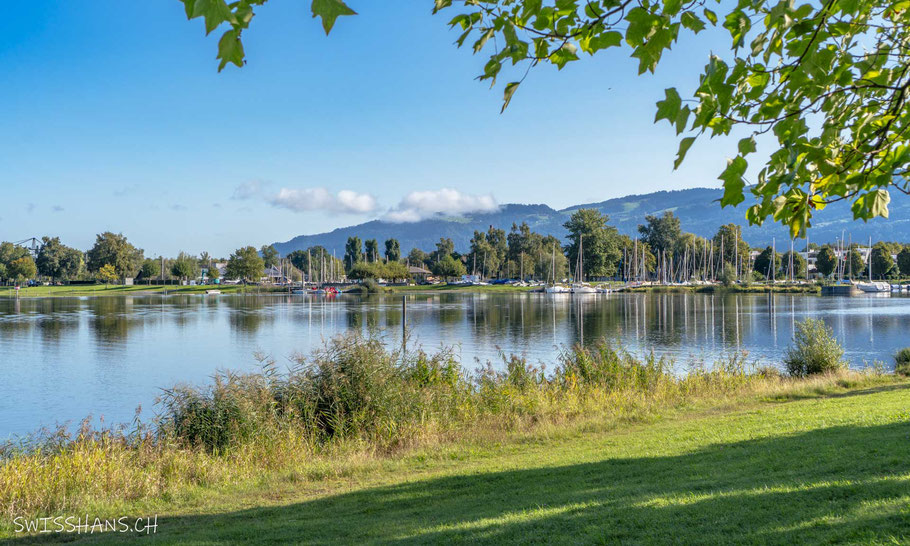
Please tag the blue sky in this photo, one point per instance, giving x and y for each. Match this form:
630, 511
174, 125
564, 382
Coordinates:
115, 118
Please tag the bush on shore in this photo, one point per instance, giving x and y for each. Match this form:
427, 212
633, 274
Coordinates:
902, 362
814, 350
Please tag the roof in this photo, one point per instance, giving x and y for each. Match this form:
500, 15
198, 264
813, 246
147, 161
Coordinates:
418, 271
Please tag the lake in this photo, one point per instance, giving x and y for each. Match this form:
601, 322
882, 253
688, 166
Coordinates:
63, 359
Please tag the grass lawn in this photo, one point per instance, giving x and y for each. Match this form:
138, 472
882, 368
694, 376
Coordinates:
823, 469
119, 290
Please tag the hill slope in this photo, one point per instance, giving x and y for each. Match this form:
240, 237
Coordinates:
697, 208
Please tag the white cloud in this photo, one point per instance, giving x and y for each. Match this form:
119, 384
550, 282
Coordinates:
419, 205
247, 190
321, 199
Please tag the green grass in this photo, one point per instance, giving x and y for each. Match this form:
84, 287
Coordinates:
118, 290
804, 468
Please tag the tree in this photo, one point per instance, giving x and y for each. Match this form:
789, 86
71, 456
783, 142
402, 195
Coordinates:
763, 263
418, 258
371, 249
58, 261
245, 264
828, 80
448, 267
8, 254
729, 239
826, 261
213, 273
395, 271
392, 250
363, 270
798, 264
22, 269
107, 273
882, 262
150, 268
728, 275
903, 261
599, 242
113, 249
856, 264
549, 259
269, 255
352, 252
184, 267
661, 233
445, 247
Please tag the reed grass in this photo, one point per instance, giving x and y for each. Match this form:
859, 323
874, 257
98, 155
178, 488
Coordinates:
356, 400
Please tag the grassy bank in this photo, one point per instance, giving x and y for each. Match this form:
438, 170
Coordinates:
355, 415
95, 290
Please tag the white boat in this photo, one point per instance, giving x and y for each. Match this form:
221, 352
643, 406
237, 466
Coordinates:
557, 289
212, 292
877, 287
583, 289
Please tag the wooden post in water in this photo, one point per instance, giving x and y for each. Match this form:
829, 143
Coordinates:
404, 324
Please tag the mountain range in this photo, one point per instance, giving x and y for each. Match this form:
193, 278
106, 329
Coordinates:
698, 209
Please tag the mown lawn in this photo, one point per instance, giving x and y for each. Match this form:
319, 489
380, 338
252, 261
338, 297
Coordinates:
813, 470
119, 290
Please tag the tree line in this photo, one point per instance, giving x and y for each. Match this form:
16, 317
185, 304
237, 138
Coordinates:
593, 249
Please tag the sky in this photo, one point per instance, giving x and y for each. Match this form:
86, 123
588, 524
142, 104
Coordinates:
114, 118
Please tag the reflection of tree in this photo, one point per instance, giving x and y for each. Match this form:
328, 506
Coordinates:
247, 313
111, 319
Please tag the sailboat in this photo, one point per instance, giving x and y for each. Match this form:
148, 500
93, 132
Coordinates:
581, 287
555, 288
878, 287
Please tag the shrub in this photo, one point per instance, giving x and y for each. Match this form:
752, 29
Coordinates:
368, 286
814, 350
902, 362
728, 275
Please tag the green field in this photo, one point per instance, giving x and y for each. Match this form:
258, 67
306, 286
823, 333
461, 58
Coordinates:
802, 469
119, 290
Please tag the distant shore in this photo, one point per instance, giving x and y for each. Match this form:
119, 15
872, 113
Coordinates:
37, 292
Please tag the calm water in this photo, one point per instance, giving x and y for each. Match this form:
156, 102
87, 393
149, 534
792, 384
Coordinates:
64, 359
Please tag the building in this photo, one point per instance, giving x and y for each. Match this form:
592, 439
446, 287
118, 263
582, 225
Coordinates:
418, 273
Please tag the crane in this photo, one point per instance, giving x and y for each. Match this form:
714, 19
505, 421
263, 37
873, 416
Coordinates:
32, 244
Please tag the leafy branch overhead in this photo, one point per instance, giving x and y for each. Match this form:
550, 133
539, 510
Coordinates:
238, 15
827, 80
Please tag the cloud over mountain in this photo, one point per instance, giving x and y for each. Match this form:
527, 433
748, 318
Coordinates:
420, 205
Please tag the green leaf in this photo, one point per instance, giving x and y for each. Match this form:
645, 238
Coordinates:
684, 146
507, 95
710, 16
746, 146
593, 44
681, 119
441, 4
329, 10
230, 49
692, 22
563, 55
733, 181
215, 12
668, 108
478, 45
671, 7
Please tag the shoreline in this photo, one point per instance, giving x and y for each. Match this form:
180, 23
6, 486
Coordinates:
51, 292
